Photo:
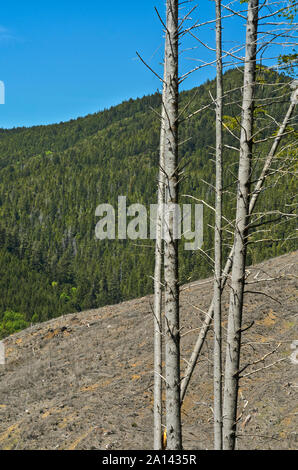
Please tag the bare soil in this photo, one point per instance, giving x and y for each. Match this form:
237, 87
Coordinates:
84, 381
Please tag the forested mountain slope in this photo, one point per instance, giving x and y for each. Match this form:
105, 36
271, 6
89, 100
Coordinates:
53, 177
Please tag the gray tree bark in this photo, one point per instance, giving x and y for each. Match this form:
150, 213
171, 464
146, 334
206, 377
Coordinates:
172, 328
217, 365
241, 232
158, 293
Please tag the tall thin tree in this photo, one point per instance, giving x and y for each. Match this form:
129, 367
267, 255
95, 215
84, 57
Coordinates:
158, 286
241, 232
172, 328
217, 366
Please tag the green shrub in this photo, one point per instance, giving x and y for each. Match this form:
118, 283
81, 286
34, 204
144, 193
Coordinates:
12, 322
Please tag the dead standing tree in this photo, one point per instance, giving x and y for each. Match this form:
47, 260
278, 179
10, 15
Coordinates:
172, 328
166, 247
158, 294
241, 232
217, 366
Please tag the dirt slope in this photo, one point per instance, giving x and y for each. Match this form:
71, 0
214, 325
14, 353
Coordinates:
84, 381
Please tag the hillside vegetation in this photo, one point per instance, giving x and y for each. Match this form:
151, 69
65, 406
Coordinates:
53, 177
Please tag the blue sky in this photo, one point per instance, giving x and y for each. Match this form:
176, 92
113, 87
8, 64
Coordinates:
64, 59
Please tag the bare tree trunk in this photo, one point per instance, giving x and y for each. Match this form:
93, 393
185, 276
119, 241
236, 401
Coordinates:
229, 263
217, 372
158, 296
241, 232
158, 282
172, 333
